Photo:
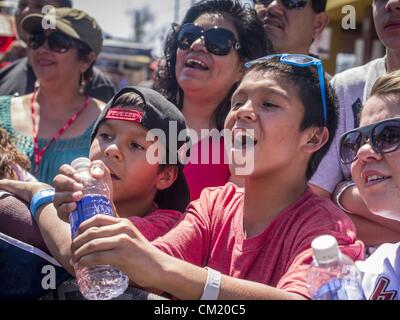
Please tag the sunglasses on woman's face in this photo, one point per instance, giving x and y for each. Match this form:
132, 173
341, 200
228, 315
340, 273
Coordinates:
383, 136
288, 4
218, 41
57, 41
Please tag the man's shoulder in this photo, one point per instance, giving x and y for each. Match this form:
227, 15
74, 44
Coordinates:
357, 75
18, 66
99, 78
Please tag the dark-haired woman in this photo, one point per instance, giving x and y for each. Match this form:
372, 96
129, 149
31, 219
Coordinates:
204, 58
52, 126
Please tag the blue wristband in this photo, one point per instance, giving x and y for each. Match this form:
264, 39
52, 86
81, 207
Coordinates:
40, 198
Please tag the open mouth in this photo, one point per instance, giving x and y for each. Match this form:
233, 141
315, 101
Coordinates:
243, 139
196, 64
45, 62
376, 178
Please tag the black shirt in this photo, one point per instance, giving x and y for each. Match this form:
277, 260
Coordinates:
19, 79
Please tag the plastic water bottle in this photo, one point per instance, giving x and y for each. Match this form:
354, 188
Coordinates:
332, 275
100, 282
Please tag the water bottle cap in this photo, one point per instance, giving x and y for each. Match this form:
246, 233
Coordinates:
81, 163
325, 249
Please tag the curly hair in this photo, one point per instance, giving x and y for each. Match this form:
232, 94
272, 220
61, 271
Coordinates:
252, 39
9, 156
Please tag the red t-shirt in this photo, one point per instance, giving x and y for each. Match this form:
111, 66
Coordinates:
211, 234
156, 223
200, 172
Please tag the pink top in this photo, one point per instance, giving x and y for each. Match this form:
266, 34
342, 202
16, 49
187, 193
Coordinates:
200, 172
211, 234
156, 223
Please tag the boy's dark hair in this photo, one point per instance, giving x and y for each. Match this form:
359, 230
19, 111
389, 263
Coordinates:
10, 155
307, 83
129, 99
252, 39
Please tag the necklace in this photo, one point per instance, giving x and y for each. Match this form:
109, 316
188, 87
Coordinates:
38, 154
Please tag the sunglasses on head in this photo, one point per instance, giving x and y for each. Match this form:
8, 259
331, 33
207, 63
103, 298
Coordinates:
298, 60
288, 4
383, 136
217, 40
57, 41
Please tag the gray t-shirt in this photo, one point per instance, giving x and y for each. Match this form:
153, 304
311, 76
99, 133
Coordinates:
352, 87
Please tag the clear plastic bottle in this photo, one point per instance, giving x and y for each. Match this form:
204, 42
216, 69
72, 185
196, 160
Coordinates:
100, 282
332, 275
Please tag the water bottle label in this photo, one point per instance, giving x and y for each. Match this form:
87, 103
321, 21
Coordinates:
340, 289
89, 206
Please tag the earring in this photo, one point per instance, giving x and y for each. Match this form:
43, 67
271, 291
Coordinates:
82, 84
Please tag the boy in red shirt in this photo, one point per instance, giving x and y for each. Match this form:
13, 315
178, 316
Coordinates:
249, 243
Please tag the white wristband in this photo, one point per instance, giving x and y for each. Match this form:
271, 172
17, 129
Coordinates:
212, 286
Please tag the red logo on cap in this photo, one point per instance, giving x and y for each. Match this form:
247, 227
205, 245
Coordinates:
125, 114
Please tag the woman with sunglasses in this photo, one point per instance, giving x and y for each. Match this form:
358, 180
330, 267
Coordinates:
52, 126
204, 58
374, 153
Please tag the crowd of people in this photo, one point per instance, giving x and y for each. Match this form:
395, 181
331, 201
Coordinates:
324, 151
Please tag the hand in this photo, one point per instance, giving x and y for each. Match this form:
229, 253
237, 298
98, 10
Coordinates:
22, 189
69, 190
106, 240
69, 187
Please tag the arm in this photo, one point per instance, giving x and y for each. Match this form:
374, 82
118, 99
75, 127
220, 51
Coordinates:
371, 228
186, 281
109, 240
55, 232
373, 233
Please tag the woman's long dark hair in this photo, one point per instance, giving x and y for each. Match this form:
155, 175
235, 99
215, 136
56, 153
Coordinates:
252, 39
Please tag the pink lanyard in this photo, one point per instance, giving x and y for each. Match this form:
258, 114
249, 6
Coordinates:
38, 154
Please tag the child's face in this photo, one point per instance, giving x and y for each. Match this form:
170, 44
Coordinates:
122, 146
270, 106
378, 176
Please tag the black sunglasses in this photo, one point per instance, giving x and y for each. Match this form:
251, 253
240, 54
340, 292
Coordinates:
57, 41
384, 137
217, 40
289, 4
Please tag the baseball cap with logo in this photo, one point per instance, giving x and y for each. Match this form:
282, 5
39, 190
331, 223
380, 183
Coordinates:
158, 113
73, 22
